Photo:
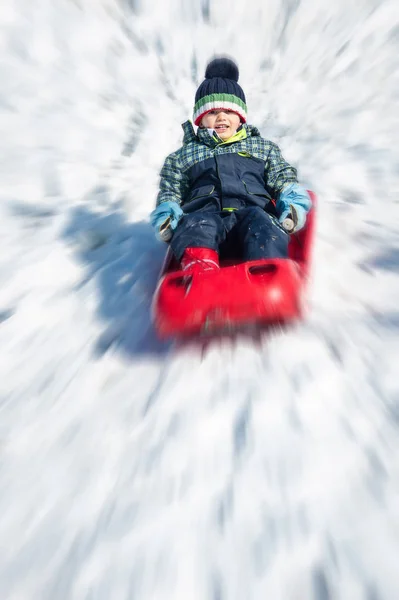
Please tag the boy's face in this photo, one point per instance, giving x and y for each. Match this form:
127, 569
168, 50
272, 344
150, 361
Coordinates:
224, 121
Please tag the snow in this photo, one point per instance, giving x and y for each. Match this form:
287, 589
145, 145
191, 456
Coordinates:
245, 469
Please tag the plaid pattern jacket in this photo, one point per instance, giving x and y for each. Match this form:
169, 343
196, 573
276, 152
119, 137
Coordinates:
175, 181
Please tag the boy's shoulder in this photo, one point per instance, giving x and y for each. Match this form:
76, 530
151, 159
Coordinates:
189, 134
189, 137
254, 135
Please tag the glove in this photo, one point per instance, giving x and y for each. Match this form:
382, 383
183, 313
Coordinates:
294, 204
165, 219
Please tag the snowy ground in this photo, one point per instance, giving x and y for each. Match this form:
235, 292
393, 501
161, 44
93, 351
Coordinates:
130, 470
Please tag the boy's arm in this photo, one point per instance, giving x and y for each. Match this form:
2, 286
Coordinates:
172, 190
278, 172
281, 181
174, 183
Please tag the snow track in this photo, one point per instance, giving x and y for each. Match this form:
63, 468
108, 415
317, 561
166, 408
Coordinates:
135, 470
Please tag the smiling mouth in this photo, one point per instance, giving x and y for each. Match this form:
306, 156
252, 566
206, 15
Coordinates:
221, 126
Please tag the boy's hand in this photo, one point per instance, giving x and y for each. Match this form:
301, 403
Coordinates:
165, 219
294, 203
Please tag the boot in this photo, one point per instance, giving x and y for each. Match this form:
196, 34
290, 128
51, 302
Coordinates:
195, 260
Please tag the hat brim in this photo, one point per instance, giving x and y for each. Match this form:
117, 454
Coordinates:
199, 119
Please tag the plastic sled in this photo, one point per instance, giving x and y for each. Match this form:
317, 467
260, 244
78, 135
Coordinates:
258, 292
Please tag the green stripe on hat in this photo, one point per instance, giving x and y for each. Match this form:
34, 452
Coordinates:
220, 98
217, 101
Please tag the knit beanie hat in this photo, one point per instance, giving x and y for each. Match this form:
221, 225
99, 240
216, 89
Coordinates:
220, 90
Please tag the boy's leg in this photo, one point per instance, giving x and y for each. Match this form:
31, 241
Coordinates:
198, 230
260, 234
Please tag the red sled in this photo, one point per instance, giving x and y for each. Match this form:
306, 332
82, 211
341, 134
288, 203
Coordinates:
257, 292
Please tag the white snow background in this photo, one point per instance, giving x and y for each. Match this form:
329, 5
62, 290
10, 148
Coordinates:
135, 470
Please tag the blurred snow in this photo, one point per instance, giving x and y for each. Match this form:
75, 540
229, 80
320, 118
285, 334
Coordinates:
131, 469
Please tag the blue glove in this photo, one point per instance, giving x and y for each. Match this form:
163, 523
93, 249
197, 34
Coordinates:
294, 202
165, 218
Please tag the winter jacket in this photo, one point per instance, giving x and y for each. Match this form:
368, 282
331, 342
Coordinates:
207, 172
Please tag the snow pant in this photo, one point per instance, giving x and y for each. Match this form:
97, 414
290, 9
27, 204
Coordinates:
254, 233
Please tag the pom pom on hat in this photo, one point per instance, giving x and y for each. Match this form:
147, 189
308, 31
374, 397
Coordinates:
222, 67
220, 90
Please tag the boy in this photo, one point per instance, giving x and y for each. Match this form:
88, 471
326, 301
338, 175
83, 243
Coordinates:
220, 184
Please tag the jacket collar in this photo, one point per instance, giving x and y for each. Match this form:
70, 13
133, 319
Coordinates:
205, 137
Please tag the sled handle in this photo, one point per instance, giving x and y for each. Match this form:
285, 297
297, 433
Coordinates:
165, 232
288, 225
